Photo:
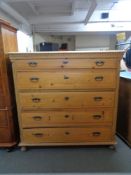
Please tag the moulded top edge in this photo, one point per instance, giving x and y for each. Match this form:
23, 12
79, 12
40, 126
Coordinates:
63, 52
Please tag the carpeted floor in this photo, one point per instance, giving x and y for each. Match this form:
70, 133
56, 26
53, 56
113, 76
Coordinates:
88, 159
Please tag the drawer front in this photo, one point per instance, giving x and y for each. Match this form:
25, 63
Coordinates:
66, 135
67, 80
65, 63
3, 119
66, 100
66, 118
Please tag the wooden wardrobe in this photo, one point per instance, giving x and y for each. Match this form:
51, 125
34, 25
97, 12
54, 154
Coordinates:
124, 108
8, 43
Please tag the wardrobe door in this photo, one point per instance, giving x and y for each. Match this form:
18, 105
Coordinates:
8, 117
2, 98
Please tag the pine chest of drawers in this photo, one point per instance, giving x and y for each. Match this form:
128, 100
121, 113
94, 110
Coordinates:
66, 98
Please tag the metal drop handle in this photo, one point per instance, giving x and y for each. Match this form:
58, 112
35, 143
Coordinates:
99, 63
34, 79
36, 100
37, 118
97, 116
32, 64
38, 134
98, 98
96, 134
99, 78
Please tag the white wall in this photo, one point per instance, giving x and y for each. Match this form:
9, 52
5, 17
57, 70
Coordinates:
38, 38
95, 41
25, 42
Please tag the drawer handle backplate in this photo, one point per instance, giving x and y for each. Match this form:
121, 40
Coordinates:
37, 118
36, 100
38, 134
98, 98
97, 116
99, 63
34, 79
32, 64
96, 134
100, 78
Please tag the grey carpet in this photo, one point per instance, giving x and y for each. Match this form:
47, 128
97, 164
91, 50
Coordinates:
67, 160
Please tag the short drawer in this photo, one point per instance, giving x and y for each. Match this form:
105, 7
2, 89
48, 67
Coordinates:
84, 79
34, 64
66, 135
67, 118
66, 100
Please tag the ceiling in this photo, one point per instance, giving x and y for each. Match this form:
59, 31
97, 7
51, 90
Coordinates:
68, 16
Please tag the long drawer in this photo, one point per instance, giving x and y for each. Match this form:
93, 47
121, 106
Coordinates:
66, 118
78, 79
66, 135
32, 64
66, 99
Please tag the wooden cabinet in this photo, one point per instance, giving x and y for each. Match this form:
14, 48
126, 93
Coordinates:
8, 42
67, 98
124, 108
